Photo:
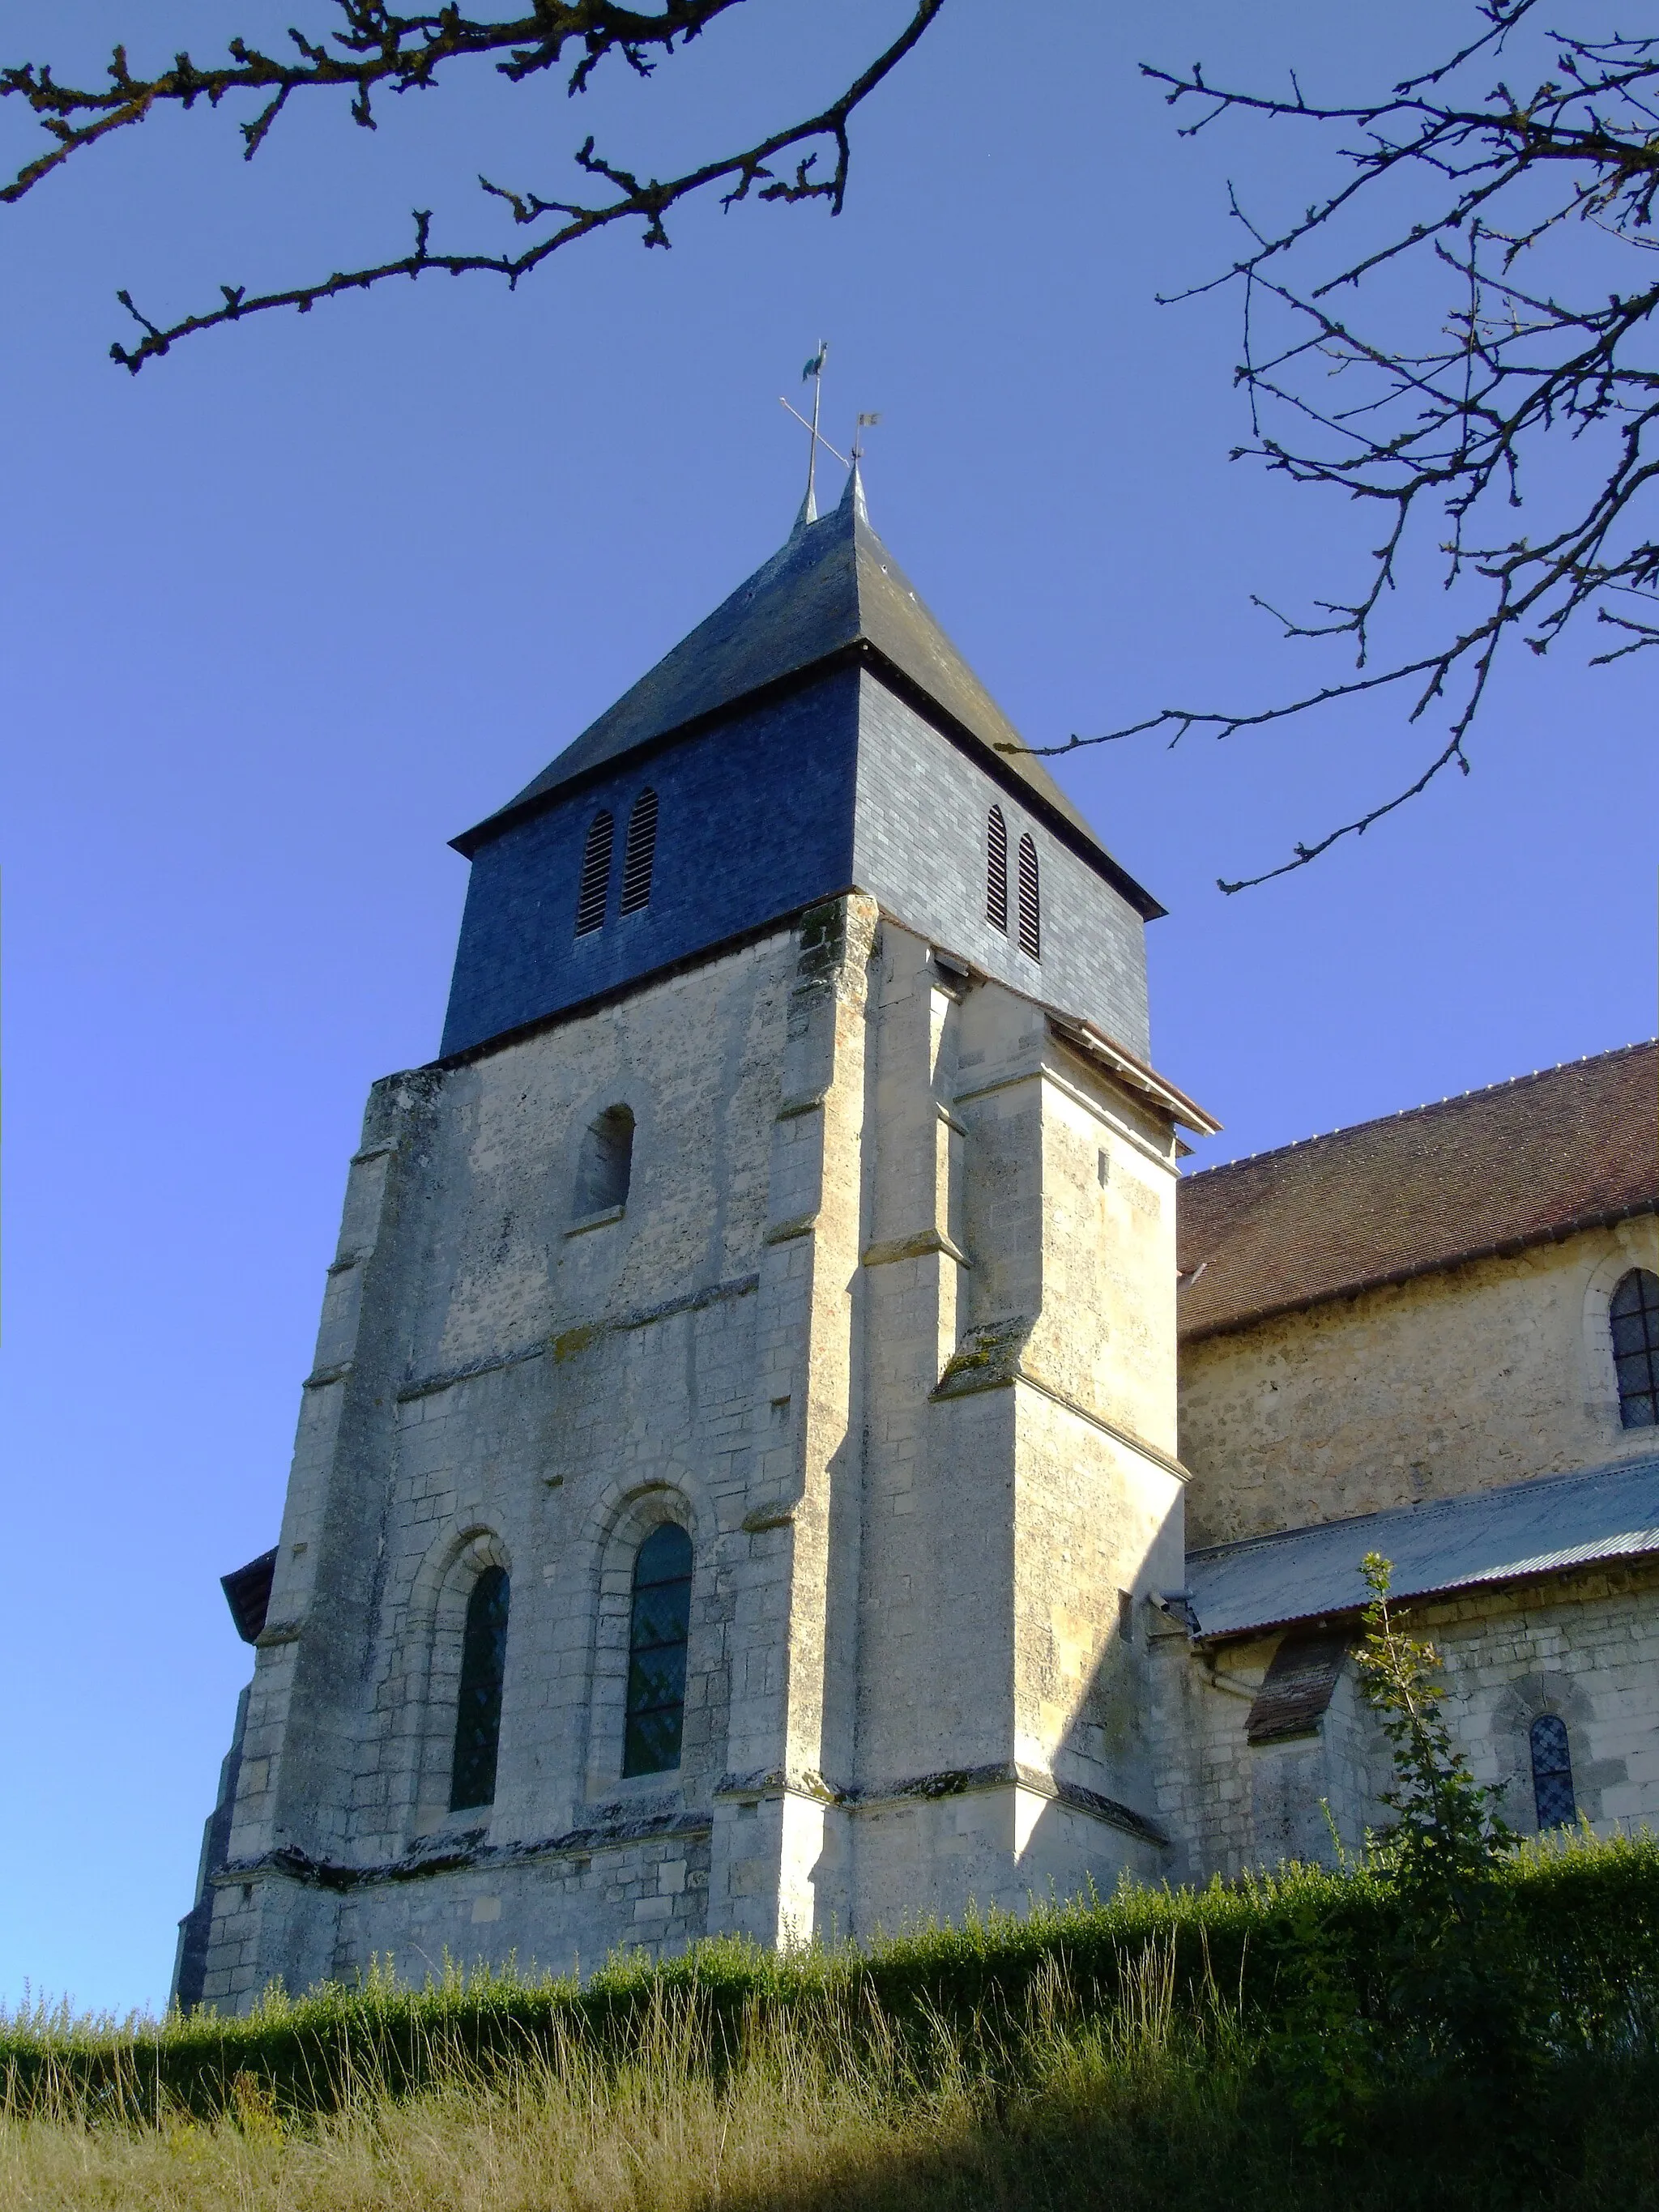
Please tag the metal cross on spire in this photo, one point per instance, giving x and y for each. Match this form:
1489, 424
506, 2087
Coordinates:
814, 369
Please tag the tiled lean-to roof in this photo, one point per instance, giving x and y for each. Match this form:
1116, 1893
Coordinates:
247, 1593
1494, 1170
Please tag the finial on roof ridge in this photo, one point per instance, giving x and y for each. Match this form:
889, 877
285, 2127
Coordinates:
808, 513
853, 497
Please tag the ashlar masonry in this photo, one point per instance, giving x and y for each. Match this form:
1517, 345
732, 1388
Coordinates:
743, 1481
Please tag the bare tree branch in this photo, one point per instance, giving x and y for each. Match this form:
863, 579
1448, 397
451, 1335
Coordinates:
1443, 435
379, 52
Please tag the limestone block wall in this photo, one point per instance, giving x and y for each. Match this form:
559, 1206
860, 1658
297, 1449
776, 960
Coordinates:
1097, 1525
791, 1723
885, 1322
1019, 1486
1461, 1380
934, 1559
1229, 1806
986, 1845
500, 1381
565, 1911
1108, 1311
1583, 1645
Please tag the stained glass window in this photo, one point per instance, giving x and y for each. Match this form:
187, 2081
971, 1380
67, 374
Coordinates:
1635, 1316
1552, 1773
479, 1717
656, 1651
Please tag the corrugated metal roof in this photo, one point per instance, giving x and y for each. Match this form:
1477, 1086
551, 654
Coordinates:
833, 587
1455, 1543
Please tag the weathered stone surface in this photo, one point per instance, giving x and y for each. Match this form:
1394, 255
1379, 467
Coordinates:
1456, 1380
850, 1166
883, 1316
1584, 1645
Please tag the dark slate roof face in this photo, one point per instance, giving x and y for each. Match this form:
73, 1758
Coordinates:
1547, 1526
1493, 1170
832, 587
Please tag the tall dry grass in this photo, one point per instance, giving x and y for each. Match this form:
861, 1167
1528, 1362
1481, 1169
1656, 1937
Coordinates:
1151, 2053
840, 2108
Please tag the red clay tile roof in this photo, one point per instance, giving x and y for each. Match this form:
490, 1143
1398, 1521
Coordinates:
1570, 1148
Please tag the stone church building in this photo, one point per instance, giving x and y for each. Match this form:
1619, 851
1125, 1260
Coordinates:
789, 1450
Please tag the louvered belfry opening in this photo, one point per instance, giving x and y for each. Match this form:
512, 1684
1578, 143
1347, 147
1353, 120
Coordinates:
639, 852
1031, 913
996, 870
594, 891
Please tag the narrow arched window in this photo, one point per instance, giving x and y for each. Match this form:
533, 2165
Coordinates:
606, 1167
996, 870
478, 1716
594, 891
639, 852
656, 1651
1552, 1773
1031, 910
1634, 1314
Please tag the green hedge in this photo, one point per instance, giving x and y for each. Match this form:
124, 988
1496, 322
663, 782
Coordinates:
1586, 1914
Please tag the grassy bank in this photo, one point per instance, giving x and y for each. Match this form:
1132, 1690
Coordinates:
1220, 2048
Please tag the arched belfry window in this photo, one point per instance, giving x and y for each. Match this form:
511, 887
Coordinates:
639, 852
593, 891
656, 1651
1634, 1314
1552, 1773
606, 1167
1031, 906
478, 1715
996, 870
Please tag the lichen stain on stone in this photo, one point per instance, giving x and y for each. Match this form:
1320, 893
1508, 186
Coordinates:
573, 1342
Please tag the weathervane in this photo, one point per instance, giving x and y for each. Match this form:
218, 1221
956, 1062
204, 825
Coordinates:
814, 369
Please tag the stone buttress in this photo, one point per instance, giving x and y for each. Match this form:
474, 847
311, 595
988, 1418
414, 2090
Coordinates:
794, 1193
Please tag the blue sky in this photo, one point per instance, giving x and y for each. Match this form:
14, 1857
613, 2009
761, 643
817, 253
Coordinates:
283, 613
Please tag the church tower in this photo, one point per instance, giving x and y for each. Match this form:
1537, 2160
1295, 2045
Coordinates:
742, 1418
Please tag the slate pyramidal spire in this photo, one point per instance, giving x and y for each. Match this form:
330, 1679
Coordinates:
831, 593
